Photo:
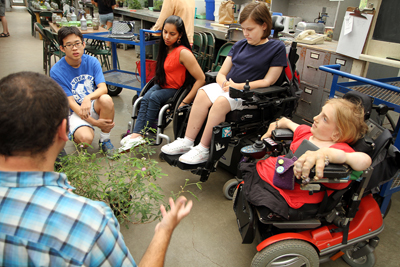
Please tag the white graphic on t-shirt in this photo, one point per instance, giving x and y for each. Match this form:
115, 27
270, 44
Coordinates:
82, 86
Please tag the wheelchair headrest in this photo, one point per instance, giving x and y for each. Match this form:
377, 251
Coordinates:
357, 97
277, 23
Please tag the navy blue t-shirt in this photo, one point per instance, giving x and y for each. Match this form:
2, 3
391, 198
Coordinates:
252, 63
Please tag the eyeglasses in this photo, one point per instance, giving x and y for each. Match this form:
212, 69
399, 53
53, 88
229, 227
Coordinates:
70, 46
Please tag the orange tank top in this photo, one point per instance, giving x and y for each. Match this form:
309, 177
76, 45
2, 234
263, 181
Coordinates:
175, 72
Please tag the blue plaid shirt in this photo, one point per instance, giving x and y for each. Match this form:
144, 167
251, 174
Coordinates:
42, 224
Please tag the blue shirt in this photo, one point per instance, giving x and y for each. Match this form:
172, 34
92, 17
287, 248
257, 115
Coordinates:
78, 82
43, 224
252, 63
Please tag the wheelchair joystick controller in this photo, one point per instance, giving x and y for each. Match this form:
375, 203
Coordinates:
256, 150
246, 87
243, 94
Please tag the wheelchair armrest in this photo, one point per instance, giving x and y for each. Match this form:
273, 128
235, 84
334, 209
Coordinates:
265, 91
282, 134
243, 94
211, 76
261, 92
333, 171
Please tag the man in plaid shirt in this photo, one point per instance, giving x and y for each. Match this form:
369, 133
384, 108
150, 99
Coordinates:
41, 222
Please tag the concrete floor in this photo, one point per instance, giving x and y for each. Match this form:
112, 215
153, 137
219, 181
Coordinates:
209, 235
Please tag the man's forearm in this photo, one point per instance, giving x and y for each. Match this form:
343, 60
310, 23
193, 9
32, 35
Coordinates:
155, 253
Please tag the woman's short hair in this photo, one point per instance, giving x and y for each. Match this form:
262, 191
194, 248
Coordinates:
349, 120
260, 13
65, 31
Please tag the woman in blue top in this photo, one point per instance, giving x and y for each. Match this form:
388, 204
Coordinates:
256, 59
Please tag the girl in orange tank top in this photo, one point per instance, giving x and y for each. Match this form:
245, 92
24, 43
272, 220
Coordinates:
176, 68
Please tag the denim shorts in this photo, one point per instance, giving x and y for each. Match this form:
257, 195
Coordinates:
106, 17
2, 9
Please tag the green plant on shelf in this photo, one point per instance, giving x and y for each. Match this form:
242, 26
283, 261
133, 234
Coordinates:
128, 184
157, 5
134, 4
120, 3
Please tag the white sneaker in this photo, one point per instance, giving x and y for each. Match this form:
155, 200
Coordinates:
125, 139
131, 143
179, 146
194, 156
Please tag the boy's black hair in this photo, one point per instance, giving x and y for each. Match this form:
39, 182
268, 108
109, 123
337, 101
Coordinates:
65, 31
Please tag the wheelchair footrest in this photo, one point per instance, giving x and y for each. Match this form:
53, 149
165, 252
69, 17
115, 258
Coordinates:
173, 160
304, 224
170, 159
184, 166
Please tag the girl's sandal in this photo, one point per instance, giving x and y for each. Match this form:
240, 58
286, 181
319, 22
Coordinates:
8, 34
3, 34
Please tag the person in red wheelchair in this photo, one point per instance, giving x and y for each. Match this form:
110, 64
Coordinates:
340, 124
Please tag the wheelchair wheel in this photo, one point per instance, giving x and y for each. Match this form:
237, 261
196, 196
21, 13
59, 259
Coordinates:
142, 92
113, 90
287, 253
175, 122
364, 261
134, 98
229, 188
146, 87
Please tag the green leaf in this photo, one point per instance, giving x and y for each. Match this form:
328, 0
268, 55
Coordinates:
193, 195
199, 185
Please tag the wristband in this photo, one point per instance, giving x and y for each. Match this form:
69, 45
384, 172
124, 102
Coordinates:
223, 83
185, 103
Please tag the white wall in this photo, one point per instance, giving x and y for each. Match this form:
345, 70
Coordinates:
281, 6
201, 6
308, 10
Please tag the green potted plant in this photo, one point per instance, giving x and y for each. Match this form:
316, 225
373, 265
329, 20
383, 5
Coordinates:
157, 5
128, 184
134, 4
120, 3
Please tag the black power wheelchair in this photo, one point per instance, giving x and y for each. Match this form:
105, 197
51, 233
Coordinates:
241, 127
345, 224
170, 109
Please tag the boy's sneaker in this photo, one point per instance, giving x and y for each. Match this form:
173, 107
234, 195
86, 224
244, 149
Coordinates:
108, 148
194, 156
179, 146
131, 143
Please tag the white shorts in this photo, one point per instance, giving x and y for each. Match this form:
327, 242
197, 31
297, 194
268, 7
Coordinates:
214, 90
76, 122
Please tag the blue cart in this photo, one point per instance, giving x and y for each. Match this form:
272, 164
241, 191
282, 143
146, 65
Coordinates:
121, 78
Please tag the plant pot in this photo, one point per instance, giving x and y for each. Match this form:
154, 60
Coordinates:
120, 4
